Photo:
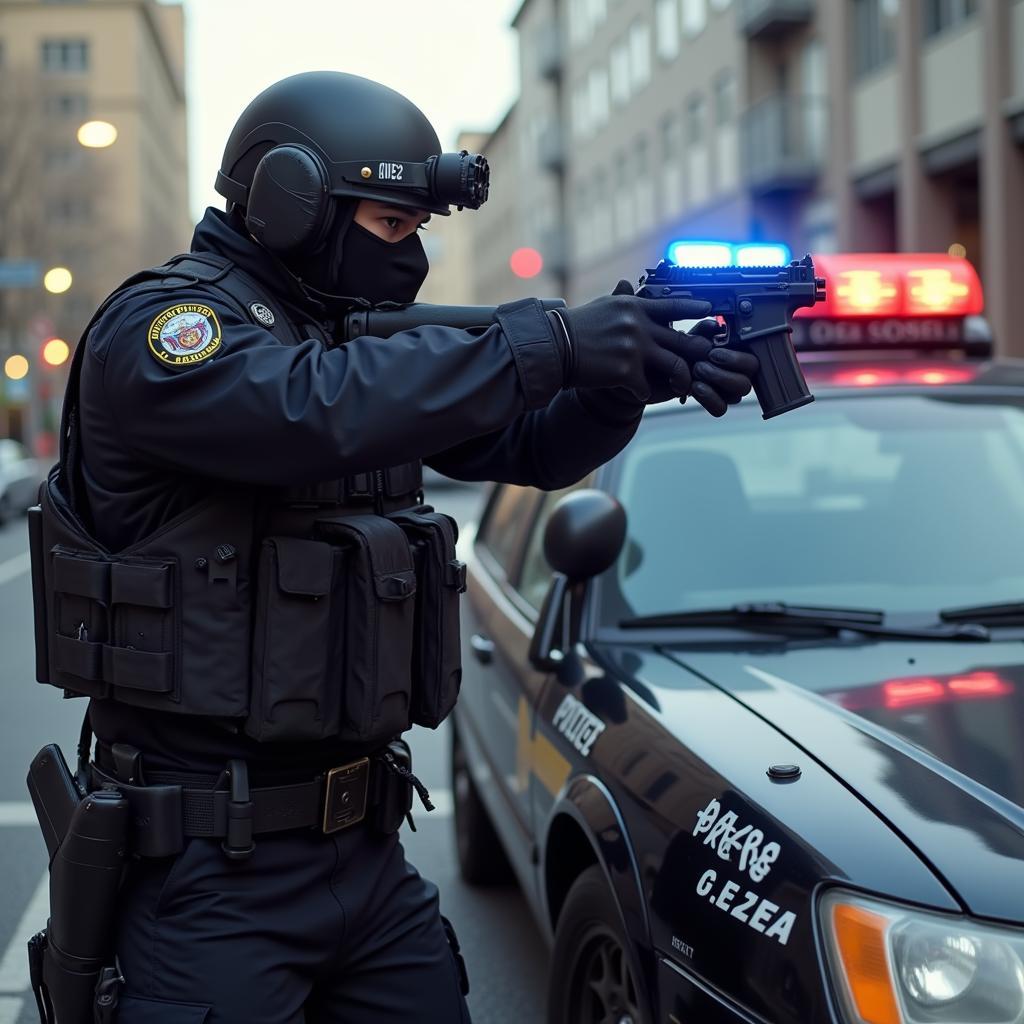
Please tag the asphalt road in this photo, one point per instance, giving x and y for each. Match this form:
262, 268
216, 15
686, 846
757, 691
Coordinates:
506, 954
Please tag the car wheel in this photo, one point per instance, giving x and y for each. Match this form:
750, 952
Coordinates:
591, 977
482, 859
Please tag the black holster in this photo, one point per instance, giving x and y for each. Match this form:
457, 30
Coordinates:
72, 961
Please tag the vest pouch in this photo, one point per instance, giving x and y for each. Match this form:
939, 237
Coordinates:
440, 580
380, 585
298, 641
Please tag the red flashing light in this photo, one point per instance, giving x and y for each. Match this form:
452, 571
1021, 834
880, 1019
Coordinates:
864, 378
921, 691
896, 285
526, 262
979, 684
883, 376
902, 693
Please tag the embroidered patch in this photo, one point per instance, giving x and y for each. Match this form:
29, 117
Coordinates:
185, 334
264, 314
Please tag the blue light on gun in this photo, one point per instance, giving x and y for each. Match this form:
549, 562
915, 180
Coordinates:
700, 254
762, 255
725, 254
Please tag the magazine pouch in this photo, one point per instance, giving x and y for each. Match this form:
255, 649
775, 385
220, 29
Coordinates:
440, 580
379, 583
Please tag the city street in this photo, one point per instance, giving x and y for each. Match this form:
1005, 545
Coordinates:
506, 955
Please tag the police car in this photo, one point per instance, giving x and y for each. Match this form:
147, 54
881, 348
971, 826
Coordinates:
743, 712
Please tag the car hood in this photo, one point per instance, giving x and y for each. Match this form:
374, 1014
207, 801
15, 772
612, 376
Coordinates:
931, 736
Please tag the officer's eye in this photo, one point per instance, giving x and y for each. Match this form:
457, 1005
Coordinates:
393, 223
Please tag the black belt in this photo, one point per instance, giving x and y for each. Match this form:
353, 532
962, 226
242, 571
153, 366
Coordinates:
168, 809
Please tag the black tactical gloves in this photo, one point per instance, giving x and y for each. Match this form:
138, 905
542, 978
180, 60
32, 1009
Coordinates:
624, 342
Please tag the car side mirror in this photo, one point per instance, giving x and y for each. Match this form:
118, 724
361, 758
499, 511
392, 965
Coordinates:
583, 537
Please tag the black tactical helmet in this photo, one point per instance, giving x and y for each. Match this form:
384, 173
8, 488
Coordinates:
325, 133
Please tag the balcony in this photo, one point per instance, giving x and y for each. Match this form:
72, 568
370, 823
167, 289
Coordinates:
767, 18
784, 143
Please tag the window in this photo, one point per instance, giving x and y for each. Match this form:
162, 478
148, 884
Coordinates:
874, 34
696, 116
666, 29
620, 75
505, 519
695, 17
624, 221
581, 120
65, 55
725, 98
601, 216
671, 164
62, 156
64, 104
598, 90
640, 54
941, 15
643, 189
720, 5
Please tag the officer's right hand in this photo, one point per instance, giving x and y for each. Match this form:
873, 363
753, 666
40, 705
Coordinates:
624, 340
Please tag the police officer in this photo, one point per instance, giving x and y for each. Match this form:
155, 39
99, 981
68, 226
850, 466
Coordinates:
239, 582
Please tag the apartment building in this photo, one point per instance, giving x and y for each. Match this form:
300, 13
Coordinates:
102, 213
824, 124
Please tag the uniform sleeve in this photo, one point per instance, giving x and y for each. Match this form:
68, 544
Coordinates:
195, 388
548, 448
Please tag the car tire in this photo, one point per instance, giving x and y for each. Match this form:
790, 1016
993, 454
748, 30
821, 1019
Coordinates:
591, 974
482, 859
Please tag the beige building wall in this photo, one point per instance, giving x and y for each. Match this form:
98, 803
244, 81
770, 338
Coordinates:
104, 213
782, 120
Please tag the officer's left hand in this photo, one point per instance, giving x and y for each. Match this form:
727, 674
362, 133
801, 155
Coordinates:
720, 377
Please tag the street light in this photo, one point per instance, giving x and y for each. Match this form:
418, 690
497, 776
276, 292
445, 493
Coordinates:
56, 352
57, 280
16, 367
97, 134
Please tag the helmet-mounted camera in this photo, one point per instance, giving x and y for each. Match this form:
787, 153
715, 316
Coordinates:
457, 179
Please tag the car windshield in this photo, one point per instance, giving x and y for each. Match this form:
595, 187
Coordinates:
903, 503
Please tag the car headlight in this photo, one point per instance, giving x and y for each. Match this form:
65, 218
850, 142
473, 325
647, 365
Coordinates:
899, 965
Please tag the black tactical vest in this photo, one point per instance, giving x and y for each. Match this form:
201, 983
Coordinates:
328, 611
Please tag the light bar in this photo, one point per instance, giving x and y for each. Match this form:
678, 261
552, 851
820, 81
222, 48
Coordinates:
905, 285
726, 254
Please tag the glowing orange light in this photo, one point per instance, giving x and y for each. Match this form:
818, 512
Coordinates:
864, 378
865, 291
526, 262
934, 290
55, 352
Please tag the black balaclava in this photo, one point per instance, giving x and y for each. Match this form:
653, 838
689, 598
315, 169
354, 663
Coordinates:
354, 263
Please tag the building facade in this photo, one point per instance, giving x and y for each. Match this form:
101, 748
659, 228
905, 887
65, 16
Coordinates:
866, 125
102, 213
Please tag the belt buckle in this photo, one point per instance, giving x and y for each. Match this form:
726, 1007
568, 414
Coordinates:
345, 793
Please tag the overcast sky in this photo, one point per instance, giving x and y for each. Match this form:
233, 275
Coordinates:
455, 59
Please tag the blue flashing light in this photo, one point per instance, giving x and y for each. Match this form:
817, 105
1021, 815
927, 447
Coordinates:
700, 254
762, 255
725, 254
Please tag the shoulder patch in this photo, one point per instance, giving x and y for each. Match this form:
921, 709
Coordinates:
184, 334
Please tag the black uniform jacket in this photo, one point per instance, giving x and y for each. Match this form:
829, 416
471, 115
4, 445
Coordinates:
475, 405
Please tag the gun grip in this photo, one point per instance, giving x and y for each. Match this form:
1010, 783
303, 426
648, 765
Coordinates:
779, 383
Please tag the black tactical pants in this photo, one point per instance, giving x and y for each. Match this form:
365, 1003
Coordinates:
311, 928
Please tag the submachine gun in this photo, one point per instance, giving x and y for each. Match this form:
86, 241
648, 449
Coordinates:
754, 304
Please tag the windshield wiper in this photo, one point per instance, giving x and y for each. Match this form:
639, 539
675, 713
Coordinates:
781, 617
988, 614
